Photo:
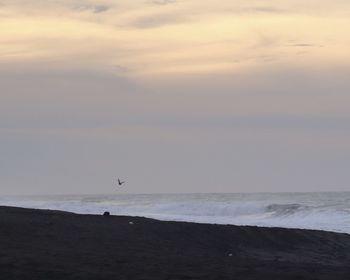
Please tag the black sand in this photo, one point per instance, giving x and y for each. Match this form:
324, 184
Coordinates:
40, 244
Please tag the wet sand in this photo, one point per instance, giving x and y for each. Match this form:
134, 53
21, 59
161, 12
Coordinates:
43, 244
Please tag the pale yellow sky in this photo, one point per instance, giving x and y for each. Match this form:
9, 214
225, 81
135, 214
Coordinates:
186, 95
143, 38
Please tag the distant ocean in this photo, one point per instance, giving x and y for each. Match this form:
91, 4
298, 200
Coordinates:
323, 211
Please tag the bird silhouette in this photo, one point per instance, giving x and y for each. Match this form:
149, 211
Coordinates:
120, 182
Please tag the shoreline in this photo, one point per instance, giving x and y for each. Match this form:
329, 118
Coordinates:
50, 244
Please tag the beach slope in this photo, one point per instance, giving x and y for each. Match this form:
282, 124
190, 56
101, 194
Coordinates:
43, 244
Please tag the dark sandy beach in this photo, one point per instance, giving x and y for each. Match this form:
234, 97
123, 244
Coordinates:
41, 244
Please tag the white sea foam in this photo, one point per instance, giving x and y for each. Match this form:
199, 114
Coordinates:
324, 211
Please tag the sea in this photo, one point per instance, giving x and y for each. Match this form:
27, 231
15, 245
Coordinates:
319, 211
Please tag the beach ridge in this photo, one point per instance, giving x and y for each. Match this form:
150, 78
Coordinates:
48, 244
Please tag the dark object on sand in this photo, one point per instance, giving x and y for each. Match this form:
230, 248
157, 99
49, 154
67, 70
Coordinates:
42, 244
106, 213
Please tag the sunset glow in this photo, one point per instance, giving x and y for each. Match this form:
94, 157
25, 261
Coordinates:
153, 38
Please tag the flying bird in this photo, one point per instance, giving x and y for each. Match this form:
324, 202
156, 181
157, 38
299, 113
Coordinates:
120, 182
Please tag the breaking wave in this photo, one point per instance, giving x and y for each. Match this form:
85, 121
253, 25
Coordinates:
308, 211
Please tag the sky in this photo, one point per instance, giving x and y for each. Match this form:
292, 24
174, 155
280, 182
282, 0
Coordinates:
174, 96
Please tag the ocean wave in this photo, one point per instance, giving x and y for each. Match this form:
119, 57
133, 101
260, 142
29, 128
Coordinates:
286, 209
307, 211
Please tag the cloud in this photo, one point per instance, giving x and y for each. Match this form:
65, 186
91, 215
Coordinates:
306, 45
163, 2
267, 9
100, 9
157, 20
96, 9
120, 69
98, 34
302, 45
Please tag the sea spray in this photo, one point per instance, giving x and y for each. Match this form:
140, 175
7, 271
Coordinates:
323, 211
